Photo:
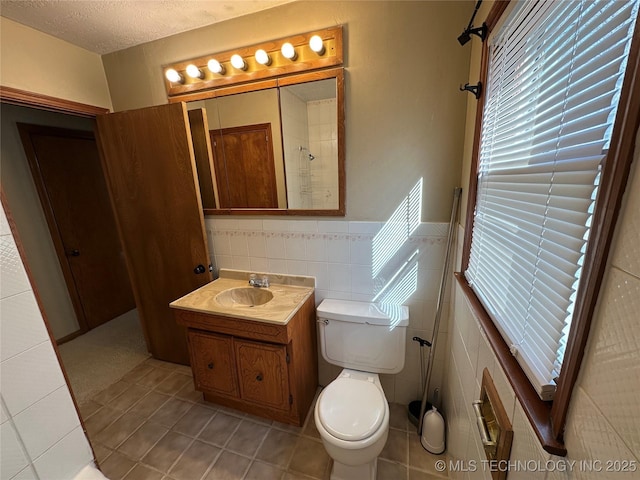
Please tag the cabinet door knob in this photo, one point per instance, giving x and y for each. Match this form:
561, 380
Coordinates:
199, 269
210, 366
259, 377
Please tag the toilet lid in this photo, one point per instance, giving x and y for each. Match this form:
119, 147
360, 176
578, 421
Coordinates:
351, 409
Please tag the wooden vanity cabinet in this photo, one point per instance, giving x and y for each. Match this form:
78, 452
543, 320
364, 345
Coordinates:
266, 369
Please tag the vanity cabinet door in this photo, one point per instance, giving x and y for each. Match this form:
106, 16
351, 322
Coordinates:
263, 373
212, 363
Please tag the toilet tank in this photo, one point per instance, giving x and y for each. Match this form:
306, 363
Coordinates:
363, 336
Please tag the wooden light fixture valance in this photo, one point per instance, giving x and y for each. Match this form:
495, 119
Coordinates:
304, 59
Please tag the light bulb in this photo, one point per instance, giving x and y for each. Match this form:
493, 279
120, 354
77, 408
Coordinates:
315, 43
194, 72
288, 51
263, 57
173, 76
215, 66
238, 62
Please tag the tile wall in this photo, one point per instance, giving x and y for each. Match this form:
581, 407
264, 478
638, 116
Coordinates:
323, 144
41, 435
602, 434
349, 261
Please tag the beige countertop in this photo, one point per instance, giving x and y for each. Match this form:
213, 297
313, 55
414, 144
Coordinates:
289, 293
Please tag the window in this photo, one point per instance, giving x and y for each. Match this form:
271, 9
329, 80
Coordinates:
554, 83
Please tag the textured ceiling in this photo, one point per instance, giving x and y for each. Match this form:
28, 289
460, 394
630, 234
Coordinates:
104, 26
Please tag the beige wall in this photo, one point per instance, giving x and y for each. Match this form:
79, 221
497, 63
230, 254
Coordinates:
604, 419
404, 113
36, 62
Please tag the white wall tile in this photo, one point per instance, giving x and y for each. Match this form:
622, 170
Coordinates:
250, 224
223, 261
66, 458
332, 226
257, 246
611, 370
13, 458
29, 377
221, 244
22, 326
316, 249
4, 224
361, 281
589, 437
241, 263
303, 226
258, 264
47, 421
320, 270
340, 277
238, 244
360, 252
275, 247
296, 267
225, 224
4, 415
338, 250
13, 277
277, 265
526, 447
295, 248
364, 227
275, 225
505, 391
626, 251
27, 473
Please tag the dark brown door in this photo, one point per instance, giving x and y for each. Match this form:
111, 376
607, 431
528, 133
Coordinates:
66, 169
150, 169
245, 173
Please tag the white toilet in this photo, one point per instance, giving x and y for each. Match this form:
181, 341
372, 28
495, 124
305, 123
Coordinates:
352, 413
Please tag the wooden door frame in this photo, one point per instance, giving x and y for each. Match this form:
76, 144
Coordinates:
23, 98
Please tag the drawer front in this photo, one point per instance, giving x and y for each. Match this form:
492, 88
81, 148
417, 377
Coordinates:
212, 362
263, 373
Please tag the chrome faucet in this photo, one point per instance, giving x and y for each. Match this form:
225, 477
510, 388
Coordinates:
254, 281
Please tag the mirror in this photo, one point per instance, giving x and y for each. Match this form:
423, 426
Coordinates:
273, 149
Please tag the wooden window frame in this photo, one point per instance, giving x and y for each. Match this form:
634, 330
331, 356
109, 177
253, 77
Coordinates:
548, 418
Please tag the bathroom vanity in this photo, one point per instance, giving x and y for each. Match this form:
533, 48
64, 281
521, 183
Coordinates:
253, 349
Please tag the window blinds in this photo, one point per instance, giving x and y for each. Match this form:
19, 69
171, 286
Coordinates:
554, 79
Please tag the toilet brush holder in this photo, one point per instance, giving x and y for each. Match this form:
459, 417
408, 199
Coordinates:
432, 438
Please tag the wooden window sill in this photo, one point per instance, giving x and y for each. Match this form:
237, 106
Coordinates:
538, 412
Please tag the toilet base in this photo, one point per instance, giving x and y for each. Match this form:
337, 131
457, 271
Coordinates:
340, 471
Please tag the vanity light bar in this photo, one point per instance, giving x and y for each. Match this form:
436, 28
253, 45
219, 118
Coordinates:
294, 54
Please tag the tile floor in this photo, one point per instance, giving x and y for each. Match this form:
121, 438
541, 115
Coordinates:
152, 425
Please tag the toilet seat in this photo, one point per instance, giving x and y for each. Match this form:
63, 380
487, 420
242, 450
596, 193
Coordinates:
351, 409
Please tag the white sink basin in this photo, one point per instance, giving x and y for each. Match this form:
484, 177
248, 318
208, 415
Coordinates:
244, 297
